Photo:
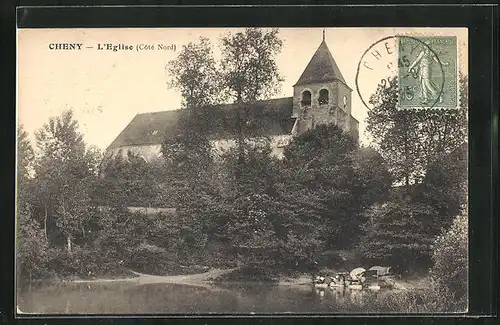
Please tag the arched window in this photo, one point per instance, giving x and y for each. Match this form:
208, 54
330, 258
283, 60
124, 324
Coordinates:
306, 98
323, 96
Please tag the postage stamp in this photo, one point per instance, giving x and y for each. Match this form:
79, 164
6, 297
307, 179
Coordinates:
427, 72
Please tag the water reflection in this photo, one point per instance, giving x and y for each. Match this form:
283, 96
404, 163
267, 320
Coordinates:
126, 298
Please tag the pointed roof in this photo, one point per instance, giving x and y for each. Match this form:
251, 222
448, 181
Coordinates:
321, 68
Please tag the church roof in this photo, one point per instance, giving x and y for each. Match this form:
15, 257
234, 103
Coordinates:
271, 117
321, 68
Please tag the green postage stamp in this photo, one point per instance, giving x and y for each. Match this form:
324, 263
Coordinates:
428, 72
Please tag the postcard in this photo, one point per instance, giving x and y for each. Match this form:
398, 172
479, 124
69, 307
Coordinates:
242, 171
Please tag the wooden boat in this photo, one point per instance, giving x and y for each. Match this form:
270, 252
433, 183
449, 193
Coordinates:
336, 285
355, 286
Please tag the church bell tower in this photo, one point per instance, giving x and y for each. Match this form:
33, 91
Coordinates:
321, 95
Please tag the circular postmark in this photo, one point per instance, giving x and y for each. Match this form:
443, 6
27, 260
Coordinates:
412, 65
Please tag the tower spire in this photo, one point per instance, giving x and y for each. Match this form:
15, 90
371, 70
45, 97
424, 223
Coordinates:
323, 34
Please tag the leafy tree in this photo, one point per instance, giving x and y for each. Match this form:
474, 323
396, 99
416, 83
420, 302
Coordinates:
64, 173
372, 180
72, 210
257, 174
249, 73
395, 234
409, 140
450, 269
31, 252
31, 243
194, 73
187, 148
25, 158
322, 171
425, 150
445, 186
25, 161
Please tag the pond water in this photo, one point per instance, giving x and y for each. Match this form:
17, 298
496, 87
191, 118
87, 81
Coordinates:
129, 298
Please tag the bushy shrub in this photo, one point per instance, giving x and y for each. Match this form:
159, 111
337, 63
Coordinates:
32, 246
300, 252
84, 262
450, 269
151, 259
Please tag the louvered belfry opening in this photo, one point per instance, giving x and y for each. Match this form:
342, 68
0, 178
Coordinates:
323, 97
306, 98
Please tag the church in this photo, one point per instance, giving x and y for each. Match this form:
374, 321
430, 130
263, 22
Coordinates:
320, 96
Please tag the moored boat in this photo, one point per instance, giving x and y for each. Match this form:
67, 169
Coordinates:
355, 286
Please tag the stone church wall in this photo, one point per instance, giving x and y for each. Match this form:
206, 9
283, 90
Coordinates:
151, 152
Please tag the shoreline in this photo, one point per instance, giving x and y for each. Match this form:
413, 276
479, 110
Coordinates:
198, 279
210, 278
204, 279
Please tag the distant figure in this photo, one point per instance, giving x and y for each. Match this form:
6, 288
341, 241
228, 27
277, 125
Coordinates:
428, 89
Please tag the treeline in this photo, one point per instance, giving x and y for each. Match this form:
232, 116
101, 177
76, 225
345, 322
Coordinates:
273, 214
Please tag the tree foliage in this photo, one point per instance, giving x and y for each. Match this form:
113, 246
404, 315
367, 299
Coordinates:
395, 234
411, 139
249, 73
31, 248
194, 73
187, 148
131, 181
427, 151
445, 185
326, 168
371, 179
450, 270
25, 156
31, 245
248, 63
64, 171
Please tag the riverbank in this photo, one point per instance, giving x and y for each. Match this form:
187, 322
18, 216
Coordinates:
215, 276
199, 279
212, 276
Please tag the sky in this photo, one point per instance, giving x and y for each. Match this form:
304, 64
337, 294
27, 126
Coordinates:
106, 89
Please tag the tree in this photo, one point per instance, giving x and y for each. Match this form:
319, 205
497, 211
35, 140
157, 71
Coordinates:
249, 73
395, 234
450, 269
445, 187
25, 157
25, 161
187, 148
372, 180
194, 73
321, 168
31, 242
64, 173
409, 140
31, 252
249, 220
